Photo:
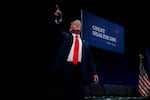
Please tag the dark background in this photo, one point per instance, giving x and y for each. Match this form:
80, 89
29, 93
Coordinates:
115, 68
133, 16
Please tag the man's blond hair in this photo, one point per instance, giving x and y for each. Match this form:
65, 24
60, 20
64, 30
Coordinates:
76, 21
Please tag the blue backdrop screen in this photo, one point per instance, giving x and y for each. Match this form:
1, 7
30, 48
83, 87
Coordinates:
101, 33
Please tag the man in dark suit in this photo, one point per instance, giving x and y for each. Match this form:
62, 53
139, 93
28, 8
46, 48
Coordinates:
74, 74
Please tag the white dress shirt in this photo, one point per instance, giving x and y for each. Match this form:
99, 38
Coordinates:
70, 56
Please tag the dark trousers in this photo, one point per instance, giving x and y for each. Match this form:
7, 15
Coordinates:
72, 84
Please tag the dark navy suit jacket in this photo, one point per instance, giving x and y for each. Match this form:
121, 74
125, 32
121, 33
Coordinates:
87, 63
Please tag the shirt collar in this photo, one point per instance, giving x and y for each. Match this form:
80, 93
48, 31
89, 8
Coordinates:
75, 34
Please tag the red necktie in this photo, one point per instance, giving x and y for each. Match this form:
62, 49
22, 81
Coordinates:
76, 50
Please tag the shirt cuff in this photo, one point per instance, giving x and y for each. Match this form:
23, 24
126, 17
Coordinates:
58, 20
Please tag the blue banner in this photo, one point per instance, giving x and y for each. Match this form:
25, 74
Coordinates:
102, 33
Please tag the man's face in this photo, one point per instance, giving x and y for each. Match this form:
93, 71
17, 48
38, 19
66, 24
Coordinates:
75, 27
